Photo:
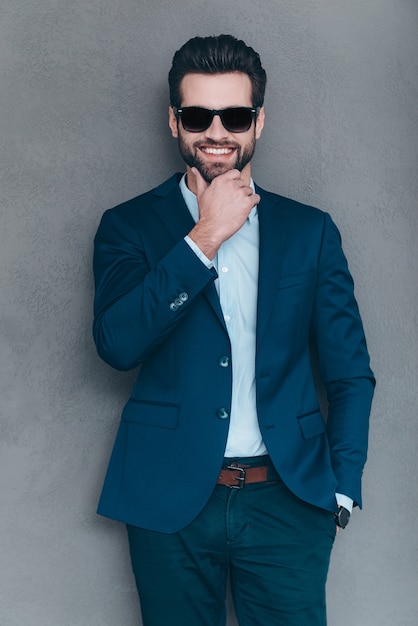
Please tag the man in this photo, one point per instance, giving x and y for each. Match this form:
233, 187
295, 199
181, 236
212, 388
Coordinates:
224, 294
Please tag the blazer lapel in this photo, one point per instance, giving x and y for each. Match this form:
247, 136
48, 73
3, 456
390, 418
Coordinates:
172, 210
272, 225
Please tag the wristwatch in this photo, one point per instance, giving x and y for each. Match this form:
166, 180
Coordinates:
342, 517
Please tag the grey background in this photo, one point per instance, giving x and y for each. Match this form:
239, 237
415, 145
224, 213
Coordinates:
83, 102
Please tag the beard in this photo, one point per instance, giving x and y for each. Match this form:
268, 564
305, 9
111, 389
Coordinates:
209, 171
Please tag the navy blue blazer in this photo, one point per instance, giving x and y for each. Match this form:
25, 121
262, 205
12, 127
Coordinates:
156, 307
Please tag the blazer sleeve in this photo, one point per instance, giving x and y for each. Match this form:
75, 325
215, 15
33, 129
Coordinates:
137, 305
343, 362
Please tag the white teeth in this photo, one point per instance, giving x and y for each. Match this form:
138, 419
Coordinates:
217, 150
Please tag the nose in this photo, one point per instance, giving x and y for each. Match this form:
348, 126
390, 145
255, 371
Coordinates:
216, 130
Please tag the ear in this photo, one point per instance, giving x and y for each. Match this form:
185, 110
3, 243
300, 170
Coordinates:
172, 122
259, 123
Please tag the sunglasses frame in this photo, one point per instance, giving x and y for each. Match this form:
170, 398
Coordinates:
253, 110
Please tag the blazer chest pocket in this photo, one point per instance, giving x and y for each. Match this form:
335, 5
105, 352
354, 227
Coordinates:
295, 280
312, 424
157, 414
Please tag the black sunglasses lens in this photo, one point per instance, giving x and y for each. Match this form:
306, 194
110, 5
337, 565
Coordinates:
237, 120
196, 119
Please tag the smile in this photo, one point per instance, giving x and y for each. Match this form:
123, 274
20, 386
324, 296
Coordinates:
217, 151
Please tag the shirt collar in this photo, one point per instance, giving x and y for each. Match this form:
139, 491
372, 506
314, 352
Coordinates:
191, 201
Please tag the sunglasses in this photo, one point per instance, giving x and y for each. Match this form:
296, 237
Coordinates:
234, 119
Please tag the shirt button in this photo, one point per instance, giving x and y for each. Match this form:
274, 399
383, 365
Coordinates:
227, 318
222, 414
224, 269
223, 361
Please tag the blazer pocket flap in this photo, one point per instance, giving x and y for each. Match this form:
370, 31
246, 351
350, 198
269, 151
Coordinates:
295, 279
160, 415
312, 425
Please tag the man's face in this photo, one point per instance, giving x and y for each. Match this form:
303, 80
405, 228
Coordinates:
217, 150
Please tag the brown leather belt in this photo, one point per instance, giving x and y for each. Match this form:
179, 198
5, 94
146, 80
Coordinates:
236, 476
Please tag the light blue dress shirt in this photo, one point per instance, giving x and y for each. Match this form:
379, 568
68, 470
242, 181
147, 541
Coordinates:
236, 263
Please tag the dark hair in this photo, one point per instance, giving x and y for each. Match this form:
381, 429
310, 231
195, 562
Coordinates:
216, 55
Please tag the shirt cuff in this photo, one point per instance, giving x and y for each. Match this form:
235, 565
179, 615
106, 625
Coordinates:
344, 501
209, 264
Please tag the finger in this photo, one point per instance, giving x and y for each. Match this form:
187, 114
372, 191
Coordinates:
256, 198
229, 175
201, 184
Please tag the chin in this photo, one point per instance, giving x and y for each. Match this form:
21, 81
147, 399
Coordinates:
209, 173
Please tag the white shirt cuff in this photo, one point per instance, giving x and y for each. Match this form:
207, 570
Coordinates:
344, 501
198, 252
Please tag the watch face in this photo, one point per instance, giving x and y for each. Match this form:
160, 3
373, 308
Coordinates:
343, 517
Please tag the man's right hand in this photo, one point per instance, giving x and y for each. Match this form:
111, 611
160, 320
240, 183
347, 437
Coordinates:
224, 205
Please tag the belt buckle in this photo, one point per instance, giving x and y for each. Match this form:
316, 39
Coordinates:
240, 479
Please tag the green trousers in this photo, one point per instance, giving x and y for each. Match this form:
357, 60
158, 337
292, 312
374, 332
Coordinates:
273, 547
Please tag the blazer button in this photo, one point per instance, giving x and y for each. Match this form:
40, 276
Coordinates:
223, 361
184, 296
222, 414
173, 306
178, 302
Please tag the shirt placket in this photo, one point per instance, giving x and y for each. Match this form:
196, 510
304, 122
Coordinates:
226, 286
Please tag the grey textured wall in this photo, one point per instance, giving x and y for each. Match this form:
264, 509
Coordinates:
83, 127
